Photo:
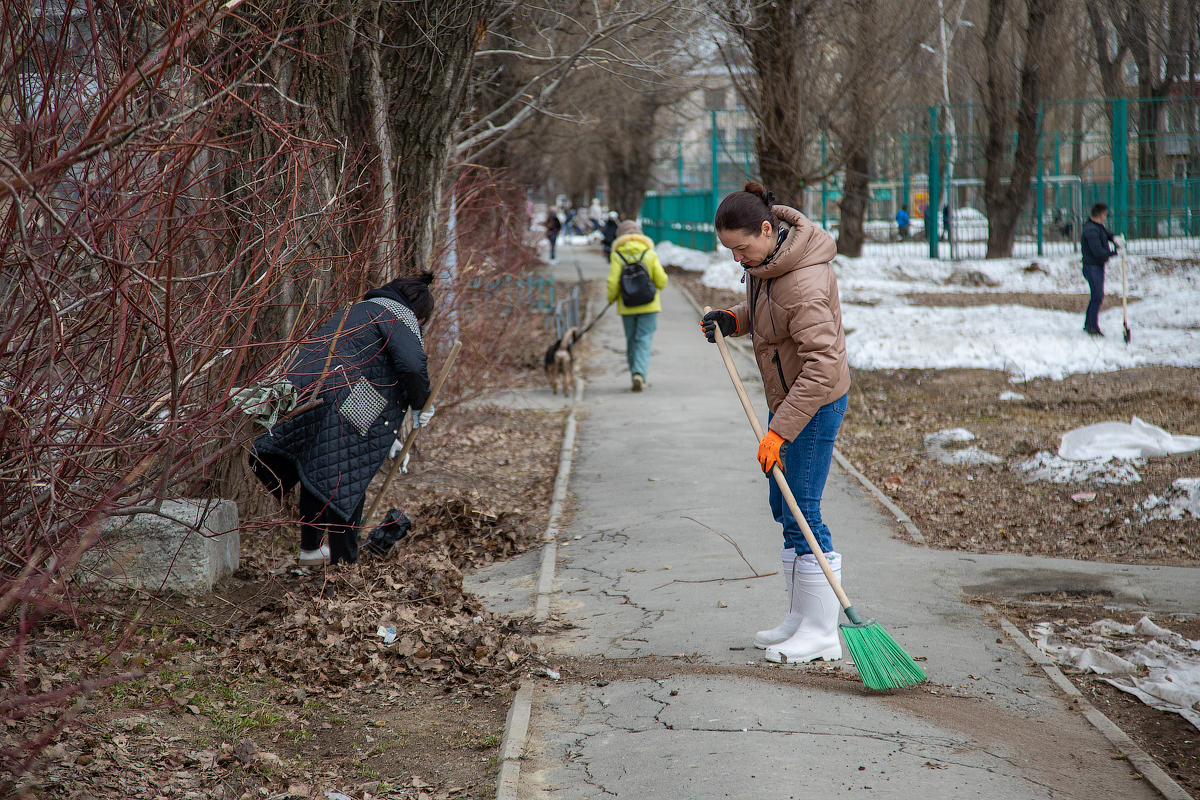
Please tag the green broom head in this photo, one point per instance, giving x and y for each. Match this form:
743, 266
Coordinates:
881, 662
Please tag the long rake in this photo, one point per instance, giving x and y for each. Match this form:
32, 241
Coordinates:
881, 661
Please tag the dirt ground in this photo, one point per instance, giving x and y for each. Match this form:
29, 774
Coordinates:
991, 509
279, 684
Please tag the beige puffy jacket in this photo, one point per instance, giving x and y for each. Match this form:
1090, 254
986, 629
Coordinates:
799, 342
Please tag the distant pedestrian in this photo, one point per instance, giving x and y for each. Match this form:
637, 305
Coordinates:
553, 226
1097, 246
947, 230
595, 213
902, 223
366, 366
608, 233
635, 278
793, 313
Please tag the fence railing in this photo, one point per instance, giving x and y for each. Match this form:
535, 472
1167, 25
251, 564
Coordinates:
566, 312
1139, 157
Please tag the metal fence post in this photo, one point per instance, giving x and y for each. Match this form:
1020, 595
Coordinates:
1038, 208
679, 147
716, 167
824, 182
1120, 178
935, 190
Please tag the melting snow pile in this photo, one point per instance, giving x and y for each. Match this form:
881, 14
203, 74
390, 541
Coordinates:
1108, 453
672, 255
949, 447
890, 331
1156, 665
1056, 469
1181, 499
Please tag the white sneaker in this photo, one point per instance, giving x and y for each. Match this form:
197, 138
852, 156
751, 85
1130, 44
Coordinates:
817, 635
315, 558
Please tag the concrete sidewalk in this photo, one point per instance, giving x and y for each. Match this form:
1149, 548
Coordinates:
641, 572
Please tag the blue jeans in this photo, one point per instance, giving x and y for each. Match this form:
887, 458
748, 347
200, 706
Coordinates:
553, 237
806, 463
1095, 279
639, 336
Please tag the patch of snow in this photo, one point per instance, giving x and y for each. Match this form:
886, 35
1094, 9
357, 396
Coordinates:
1011, 396
1181, 499
892, 333
1052, 468
941, 446
672, 255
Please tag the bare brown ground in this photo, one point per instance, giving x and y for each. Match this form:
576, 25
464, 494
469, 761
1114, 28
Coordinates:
279, 685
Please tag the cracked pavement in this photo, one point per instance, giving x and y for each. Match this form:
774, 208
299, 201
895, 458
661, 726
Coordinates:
665, 608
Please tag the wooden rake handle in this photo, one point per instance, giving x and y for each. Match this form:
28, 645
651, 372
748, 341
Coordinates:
776, 472
412, 435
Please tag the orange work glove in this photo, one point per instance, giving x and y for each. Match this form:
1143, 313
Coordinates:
771, 451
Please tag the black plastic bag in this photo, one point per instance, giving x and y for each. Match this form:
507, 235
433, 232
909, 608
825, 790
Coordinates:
395, 526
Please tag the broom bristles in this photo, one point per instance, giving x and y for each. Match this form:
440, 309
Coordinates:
881, 662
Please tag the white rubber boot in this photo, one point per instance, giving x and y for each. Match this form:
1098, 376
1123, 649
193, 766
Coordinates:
764, 639
817, 635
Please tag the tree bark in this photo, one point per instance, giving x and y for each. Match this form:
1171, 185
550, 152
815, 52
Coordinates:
630, 153
858, 132
776, 38
1005, 204
429, 47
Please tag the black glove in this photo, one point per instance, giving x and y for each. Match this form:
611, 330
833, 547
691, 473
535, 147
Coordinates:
725, 319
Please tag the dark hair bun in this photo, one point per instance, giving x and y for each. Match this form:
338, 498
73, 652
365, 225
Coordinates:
768, 198
426, 278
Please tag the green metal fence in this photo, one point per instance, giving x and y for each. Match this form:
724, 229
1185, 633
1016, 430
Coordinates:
1139, 157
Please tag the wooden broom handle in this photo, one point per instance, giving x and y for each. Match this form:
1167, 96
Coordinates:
412, 435
776, 472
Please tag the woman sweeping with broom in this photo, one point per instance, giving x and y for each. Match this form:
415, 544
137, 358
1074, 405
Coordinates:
792, 310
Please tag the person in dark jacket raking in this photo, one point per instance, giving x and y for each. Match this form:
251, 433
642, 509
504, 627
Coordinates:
357, 375
1097, 247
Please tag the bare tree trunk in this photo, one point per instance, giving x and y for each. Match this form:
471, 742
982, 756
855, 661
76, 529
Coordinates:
775, 38
630, 156
428, 50
1157, 46
857, 135
1109, 65
853, 204
1004, 204
385, 248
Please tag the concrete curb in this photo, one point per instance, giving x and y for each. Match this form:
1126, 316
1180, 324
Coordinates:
516, 727
895, 510
512, 748
545, 583
1144, 764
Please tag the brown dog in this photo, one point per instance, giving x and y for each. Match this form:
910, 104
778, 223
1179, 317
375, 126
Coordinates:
559, 364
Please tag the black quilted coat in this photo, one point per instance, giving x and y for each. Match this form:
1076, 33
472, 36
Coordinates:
377, 371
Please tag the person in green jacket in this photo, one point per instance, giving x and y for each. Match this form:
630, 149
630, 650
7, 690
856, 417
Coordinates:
630, 247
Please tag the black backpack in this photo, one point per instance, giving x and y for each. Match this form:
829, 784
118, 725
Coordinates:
636, 287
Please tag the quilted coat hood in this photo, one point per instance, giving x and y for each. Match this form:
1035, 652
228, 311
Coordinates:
806, 245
